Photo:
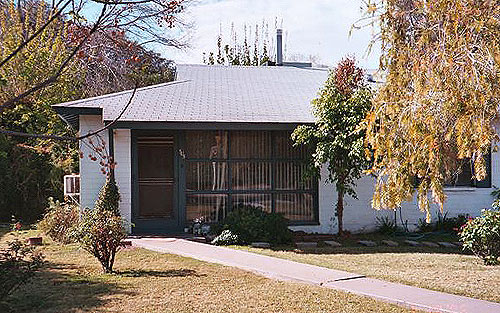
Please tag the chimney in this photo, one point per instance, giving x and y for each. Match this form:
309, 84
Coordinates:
279, 47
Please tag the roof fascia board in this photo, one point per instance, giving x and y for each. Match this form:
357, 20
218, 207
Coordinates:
78, 111
207, 125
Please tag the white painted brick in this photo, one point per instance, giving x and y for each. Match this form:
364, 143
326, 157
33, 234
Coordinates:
91, 178
123, 173
360, 217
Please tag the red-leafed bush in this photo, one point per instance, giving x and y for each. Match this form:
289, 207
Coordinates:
100, 232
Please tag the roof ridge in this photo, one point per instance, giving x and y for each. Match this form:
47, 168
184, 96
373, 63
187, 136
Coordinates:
252, 67
73, 102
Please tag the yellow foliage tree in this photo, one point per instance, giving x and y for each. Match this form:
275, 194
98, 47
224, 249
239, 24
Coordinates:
441, 97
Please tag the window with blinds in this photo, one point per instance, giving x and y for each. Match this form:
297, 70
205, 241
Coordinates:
260, 168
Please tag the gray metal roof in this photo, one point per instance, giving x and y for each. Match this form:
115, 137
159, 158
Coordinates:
215, 93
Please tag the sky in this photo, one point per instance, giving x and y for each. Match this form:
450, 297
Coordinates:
312, 27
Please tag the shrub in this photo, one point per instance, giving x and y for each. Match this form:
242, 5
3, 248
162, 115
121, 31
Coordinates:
100, 232
481, 235
18, 263
443, 223
386, 226
251, 223
109, 197
226, 238
59, 220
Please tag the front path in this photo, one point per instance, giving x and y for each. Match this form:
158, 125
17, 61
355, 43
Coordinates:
286, 270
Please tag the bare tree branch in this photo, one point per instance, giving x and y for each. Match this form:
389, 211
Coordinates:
71, 138
122, 2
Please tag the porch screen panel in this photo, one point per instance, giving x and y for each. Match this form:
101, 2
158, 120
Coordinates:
206, 175
251, 175
264, 201
206, 144
250, 145
296, 206
261, 168
284, 148
292, 176
207, 207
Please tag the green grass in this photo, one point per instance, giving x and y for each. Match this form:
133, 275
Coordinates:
441, 269
152, 282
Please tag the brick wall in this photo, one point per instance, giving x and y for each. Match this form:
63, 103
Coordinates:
123, 176
91, 178
360, 217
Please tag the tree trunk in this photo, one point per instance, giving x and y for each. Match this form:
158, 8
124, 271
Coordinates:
340, 211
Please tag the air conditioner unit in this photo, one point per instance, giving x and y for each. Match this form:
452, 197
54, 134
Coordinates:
72, 185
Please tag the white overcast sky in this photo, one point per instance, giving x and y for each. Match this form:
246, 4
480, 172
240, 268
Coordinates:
313, 27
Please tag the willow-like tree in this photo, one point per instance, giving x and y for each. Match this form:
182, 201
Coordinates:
335, 138
441, 97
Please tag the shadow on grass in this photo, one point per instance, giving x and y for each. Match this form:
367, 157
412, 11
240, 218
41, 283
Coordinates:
4, 229
55, 289
152, 273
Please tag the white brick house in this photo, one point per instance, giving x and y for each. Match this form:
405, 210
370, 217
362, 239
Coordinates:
219, 136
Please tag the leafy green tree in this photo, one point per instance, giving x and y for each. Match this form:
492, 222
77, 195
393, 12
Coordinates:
440, 99
336, 141
32, 169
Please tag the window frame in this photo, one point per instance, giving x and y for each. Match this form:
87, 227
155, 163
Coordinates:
486, 183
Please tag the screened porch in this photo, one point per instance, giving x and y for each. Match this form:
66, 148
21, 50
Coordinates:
261, 168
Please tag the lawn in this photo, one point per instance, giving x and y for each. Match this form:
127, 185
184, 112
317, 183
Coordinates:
441, 269
152, 282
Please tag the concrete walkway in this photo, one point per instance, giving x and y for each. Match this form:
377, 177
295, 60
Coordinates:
412, 297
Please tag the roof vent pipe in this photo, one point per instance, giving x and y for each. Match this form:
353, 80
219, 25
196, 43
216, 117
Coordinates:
279, 47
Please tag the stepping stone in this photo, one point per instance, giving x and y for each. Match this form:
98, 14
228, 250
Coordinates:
430, 244
446, 244
262, 245
412, 243
306, 245
332, 243
367, 243
390, 243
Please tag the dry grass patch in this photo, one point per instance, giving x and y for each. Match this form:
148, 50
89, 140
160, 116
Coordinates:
447, 270
152, 282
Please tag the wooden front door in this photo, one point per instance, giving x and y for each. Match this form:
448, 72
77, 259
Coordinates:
155, 212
